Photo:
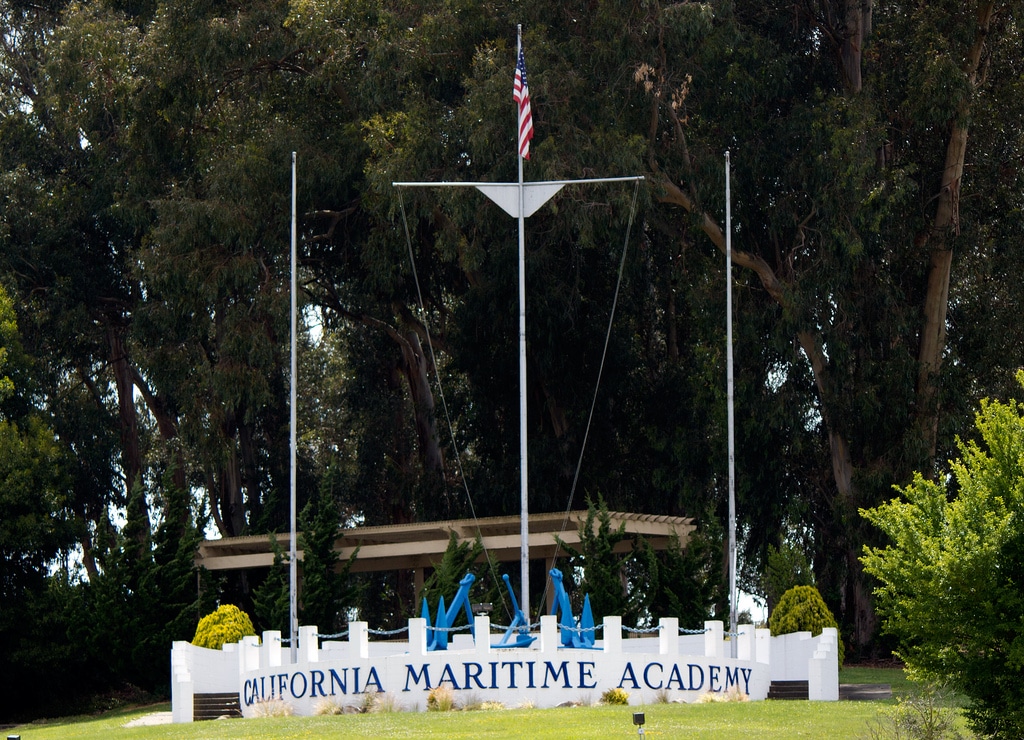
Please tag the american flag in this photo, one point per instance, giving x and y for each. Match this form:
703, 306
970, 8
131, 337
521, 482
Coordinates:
521, 94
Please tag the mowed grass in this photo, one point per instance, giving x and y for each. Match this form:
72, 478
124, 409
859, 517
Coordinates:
895, 677
765, 719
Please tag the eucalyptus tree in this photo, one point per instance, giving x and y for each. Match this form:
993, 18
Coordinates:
848, 123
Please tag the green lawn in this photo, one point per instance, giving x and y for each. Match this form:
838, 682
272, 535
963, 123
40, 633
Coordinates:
768, 719
895, 677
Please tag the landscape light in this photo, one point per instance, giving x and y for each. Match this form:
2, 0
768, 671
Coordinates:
638, 720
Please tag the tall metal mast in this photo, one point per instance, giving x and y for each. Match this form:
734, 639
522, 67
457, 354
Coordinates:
293, 612
520, 200
733, 616
524, 502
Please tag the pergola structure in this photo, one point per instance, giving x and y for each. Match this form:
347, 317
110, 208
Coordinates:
420, 545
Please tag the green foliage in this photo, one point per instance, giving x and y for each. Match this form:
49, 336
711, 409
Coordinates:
271, 599
923, 715
951, 589
640, 585
459, 559
689, 579
226, 625
801, 609
787, 567
615, 697
326, 590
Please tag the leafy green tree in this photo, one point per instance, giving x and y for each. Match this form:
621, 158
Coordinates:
950, 578
225, 625
271, 601
787, 567
801, 609
460, 558
689, 580
327, 589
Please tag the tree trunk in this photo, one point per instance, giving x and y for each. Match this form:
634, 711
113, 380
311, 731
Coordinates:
424, 411
857, 20
131, 455
946, 220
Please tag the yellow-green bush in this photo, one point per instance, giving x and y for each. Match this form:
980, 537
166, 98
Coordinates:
801, 609
226, 625
615, 696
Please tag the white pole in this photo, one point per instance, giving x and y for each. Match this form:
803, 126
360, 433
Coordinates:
293, 613
733, 617
524, 508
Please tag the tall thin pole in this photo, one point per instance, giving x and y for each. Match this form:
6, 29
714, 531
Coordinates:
733, 617
293, 613
524, 508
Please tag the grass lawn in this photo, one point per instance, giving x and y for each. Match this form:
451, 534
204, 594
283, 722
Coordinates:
767, 719
895, 677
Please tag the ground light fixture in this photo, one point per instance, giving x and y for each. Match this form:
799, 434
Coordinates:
638, 720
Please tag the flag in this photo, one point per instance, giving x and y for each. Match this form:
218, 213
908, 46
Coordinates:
521, 94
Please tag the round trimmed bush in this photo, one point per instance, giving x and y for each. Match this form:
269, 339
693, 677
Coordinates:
226, 625
801, 609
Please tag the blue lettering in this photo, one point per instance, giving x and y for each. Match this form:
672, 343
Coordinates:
374, 679
586, 673
340, 681
674, 675
529, 673
512, 673
305, 685
355, 680
318, 683
746, 679
732, 678
472, 675
562, 671
450, 677
494, 674
423, 675
631, 677
282, 682
245, 694
713, 677
694, 686
263, 686
647, 679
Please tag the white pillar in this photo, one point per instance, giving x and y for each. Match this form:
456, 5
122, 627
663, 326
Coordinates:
358, 640
482, 634
713, 636
417, 636
549, 633
271, 650
668, 636
613, 635
309, 644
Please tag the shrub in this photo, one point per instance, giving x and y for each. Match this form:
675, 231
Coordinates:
801, 609
328, 706
272, 708
615, 696
441, 699
226, 625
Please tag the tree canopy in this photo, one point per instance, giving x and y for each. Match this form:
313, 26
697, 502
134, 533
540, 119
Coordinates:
950, 577
144, 182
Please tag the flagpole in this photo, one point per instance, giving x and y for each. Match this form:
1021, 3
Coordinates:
293, 615
733, 616
524, 507
520, 200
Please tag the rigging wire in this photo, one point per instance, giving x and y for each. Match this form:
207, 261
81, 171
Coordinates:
444, 406
597, 387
